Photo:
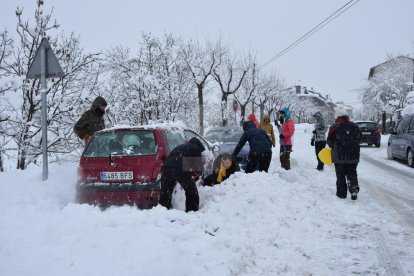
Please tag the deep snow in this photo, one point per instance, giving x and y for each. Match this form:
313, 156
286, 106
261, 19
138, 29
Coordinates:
276, 223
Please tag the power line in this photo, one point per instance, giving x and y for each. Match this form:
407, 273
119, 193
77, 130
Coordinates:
312, 31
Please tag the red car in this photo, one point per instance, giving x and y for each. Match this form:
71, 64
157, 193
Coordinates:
122, 165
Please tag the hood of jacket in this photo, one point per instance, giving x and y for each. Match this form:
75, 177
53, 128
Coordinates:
98, 102
266, 118
248, 125
319, 115
197, 143
342, 119
287, 113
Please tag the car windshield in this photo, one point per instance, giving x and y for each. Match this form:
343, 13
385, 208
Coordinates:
367, 125
227, 135
128, 143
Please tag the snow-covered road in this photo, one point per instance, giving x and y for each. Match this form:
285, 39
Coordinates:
389, 183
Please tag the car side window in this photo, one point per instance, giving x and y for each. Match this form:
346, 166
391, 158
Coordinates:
411, 130
403, 125
190, 134
174, 138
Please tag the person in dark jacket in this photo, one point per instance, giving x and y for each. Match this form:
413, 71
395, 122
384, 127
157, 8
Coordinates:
92, 120
319, 137
344, 137
260, 147
183, 165
224, 166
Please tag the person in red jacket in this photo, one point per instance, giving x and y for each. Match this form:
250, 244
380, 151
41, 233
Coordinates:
288, 129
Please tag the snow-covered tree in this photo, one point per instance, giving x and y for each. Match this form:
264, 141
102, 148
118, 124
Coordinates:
6, 46
269, 87
248, 89
153, 85
62, 94
229, 75
202, 61
388, 85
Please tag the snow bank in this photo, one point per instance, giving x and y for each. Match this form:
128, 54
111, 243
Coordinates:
281, 222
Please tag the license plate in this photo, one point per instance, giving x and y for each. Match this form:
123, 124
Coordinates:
116, 175
366, 133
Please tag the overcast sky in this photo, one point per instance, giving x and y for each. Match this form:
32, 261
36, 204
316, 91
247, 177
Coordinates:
335, 60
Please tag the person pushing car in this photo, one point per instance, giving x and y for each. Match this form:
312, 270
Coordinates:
182, 165
260, 147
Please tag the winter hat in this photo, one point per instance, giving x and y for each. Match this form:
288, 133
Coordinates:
253, 118
341, 111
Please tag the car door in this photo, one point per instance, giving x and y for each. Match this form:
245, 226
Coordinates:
408, 135
190, 134
399, 142
207, 158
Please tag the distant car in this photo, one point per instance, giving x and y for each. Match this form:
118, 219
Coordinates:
227, 139
122, 165
371, 133
401, 141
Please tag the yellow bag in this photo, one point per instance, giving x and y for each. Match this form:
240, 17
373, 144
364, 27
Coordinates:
325, 155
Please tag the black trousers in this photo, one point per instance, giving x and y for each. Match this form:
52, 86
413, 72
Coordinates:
346, 178
169, 178
319, 145
260, 161
285, 156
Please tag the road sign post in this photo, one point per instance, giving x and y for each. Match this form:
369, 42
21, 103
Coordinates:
44, 65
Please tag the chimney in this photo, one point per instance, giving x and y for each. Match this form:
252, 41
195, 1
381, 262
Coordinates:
297, 89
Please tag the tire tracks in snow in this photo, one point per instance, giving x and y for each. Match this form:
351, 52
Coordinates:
391, 265
398, 204
401, 173
397, 201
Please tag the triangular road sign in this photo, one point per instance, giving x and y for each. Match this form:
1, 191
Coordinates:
53, 69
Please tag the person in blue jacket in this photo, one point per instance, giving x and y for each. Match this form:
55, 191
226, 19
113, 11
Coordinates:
260, 144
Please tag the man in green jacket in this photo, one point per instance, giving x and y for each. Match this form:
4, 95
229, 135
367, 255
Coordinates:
92, 120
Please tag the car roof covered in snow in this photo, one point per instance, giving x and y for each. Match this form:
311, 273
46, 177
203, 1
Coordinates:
356, 122
160, 125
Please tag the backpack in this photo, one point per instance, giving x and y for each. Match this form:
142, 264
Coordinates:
347, 140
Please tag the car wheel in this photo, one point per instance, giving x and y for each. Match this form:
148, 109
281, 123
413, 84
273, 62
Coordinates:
378, 144
410, 158
389, 152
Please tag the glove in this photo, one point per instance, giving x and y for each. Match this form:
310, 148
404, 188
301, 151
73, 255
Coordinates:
314, 132
195, 176
312, 142
281, 136
87, 137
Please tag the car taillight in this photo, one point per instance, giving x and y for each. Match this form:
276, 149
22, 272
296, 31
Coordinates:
378, 131
81, 173
156, 171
